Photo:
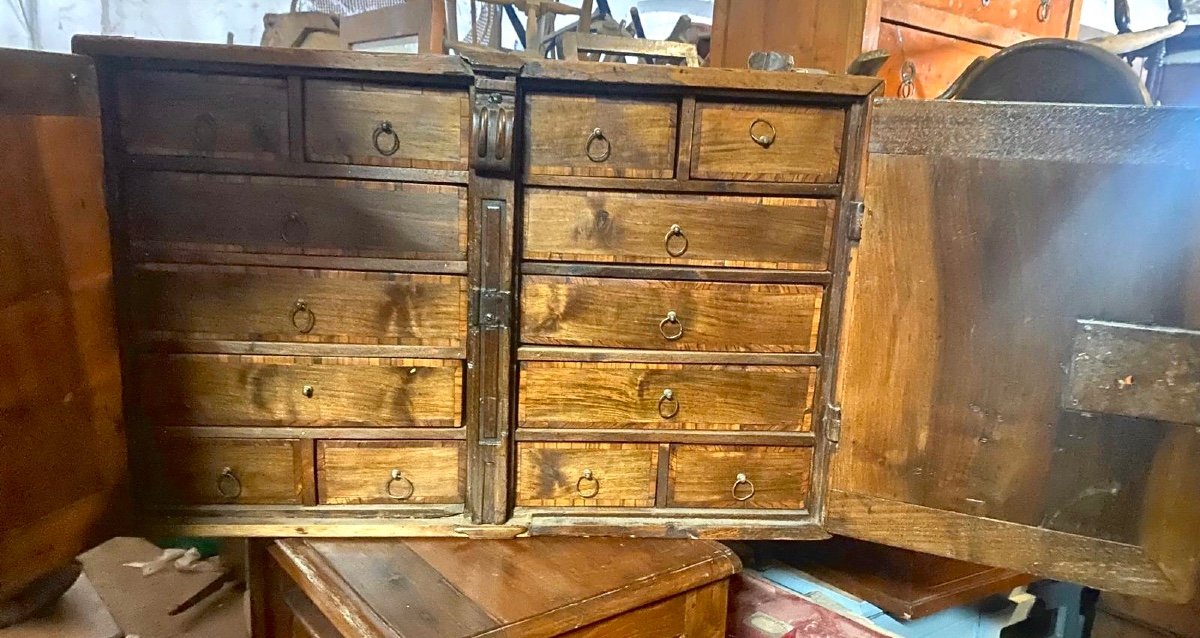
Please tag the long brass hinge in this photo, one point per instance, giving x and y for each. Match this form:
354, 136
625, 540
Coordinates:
858, 214
833, 422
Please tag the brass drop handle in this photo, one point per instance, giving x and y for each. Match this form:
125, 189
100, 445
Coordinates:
303, 318
678, 247
908, 77
743, 485
765, 136
593, 487
594, 142
385, 130
228, 484
399, 479
668, 405
293, 230
1043, 10
675, 331
307, 391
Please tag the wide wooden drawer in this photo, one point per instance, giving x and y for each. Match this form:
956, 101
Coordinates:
190, 114
665, 396
390, 472
289, 304
586, 474
645, 228
361, 123
767, 143
978, 20
601, 136
669, 315
213, 389
189, 470
923, 65
726, 476
298, 216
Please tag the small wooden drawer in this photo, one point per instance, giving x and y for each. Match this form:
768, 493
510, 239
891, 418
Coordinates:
665, 396
390, 472
923, 65
212, 389
669, 315
645, 228
379, 125
601, 136
768, 143
189, 114
206, 471
726, 476
288, 304
586, 474
1045, 18
230, 213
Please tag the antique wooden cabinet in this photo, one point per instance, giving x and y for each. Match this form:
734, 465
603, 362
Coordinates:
367, 295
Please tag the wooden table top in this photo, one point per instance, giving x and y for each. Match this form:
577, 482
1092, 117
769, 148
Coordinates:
449, 588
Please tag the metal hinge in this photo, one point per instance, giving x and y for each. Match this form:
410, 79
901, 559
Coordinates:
833, 422
858, 213
491, 311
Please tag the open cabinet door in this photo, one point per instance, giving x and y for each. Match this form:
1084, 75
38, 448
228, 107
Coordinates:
62, 444
1020, 381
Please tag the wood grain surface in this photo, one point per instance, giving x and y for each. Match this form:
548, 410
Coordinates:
805, 143
641, 136
626, 313
636, 228
933, 61
704, 476
191, 471
360, 472
553, 474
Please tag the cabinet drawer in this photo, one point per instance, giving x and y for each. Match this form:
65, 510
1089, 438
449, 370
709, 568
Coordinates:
923, 65
204, 471
586, 474
669, 315
644, 228
357, 123
601, 137
296, 216
974, 19
190, 114
390, 472
665, 396
288, 304
204, 389
767, 143
726, 476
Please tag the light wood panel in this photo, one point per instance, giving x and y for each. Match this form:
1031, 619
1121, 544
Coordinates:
767, 143
636, 138
557, 474
818, 34
728, 476
390, 472
201, 471
922, 64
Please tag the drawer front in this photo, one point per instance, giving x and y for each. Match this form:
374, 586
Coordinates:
669, 315
726, 476
312, 306
297, 216
744, 232
601, 137
238, 390
1047, 18
766, 143
665, 396
204, 471
586, 474
356, 123
923, 65
390, 472
190, 114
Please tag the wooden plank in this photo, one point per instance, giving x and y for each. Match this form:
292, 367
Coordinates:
563, 353
818, 35
48, 84
681, 185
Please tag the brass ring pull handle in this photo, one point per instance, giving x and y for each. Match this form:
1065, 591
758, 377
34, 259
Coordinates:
908, 76
680, 248
669, 402
767, 137
741, 481
225, 480
301, 309
671, 320
398, 477
382, 129
598, 136
1044, 11
293, 230
593, 489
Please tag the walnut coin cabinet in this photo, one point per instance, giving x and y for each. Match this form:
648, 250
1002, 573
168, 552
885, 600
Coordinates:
268, 292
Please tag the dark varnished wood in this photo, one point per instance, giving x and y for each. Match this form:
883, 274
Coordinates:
39, 83
189, 471
799, 143
640, 136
